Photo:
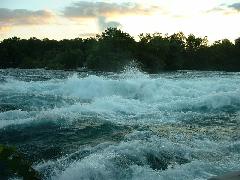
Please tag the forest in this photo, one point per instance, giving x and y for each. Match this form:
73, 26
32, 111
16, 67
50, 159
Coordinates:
113, 49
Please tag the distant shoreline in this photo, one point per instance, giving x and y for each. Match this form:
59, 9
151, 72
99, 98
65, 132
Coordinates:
112, 50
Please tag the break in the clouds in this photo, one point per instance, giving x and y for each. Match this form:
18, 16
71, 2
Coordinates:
235, 6
95, 9
9, 17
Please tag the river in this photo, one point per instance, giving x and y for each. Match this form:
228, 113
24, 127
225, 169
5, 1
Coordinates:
130, 125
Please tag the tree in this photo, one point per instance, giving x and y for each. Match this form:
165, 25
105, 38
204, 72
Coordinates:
70, 59
114, 49
196, 50
193, 43
175, 56
151, 52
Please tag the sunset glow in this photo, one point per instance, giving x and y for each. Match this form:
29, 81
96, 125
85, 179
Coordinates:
60, 19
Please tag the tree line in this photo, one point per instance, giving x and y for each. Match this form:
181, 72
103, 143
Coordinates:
113, 49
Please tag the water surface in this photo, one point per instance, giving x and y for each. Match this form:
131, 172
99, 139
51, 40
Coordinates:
131, 125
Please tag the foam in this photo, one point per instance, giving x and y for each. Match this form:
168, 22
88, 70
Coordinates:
128, 160
130, 96
143, 103
140, 86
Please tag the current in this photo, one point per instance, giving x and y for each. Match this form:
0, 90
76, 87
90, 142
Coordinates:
80, 125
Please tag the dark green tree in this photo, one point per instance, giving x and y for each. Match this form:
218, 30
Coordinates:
175, 56
152, 51
113, 50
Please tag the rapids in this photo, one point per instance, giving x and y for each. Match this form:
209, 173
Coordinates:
130, 125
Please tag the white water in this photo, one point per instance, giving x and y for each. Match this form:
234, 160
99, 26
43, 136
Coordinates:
134, 98
126, 98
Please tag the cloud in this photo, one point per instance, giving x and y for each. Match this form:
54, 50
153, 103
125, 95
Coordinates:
216, 9
86, 9
235, 6
222, 9
226, 9
102, 11
9, 17
104, 24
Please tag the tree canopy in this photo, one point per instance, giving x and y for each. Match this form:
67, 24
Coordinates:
113, 49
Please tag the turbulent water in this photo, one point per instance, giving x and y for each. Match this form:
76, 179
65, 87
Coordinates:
131, 125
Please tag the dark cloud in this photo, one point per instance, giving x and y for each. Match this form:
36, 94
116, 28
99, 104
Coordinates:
95, 9
104, 24
235, 6
23, 16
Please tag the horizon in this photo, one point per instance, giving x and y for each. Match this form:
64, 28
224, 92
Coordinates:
69, 19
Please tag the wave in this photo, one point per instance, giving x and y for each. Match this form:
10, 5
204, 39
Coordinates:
137, 86
144, 155
131, 125
131, 96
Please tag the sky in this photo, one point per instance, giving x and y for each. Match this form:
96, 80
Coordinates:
67, 19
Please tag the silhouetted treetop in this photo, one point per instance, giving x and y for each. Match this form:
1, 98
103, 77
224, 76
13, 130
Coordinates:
113, 49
